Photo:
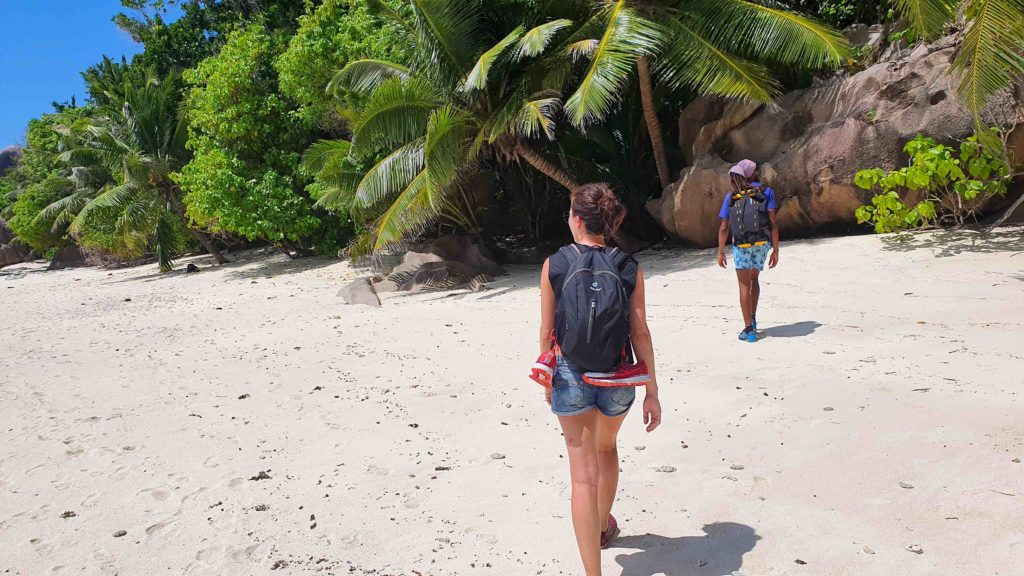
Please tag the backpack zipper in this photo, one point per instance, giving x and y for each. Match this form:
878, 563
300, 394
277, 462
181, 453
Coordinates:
612, 274
590, 324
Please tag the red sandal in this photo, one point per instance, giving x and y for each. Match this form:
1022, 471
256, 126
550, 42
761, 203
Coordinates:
610, 533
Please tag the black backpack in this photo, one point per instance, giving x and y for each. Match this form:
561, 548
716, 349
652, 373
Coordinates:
592, 318
748, 216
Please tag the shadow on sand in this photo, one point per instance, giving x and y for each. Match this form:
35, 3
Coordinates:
953, 242
795, 330
719, 551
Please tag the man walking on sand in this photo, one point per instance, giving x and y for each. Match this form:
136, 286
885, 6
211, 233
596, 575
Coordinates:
748, 216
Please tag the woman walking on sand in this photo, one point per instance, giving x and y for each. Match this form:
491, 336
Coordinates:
593, 319
748, 215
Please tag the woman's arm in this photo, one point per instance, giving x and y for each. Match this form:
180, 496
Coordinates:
774, 260
723, 235
547, 310
643, 345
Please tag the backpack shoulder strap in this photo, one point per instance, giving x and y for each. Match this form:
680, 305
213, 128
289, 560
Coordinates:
617, 255
571, 253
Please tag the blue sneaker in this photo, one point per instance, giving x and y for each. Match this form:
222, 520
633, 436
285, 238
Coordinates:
753, 324
744, 335
751, 336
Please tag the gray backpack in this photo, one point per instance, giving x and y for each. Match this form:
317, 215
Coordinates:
748, 216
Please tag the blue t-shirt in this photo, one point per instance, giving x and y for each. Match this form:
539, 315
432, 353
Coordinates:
769, 194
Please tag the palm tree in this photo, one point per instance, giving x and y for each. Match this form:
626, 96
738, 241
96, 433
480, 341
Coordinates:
137, 140
484, 82
710, 47
489, 78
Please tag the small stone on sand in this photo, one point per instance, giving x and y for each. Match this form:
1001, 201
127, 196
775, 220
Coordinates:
120, 533
916, 549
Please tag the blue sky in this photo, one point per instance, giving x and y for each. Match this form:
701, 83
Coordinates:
44, 44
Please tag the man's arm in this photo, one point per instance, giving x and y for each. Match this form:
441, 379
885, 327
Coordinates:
774, 260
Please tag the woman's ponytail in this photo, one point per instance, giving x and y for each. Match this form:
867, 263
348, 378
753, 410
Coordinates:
600, 209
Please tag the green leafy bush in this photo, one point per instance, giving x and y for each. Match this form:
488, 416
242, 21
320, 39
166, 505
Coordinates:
950, 184
24, 222
244, 177
329, 37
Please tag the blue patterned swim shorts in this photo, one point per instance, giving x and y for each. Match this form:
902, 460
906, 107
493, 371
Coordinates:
751, 258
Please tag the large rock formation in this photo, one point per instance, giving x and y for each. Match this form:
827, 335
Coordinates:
10, 254
811, 142
9, 157
450, 262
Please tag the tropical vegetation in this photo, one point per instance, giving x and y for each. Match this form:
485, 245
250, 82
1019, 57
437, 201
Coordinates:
319, 125
950, 186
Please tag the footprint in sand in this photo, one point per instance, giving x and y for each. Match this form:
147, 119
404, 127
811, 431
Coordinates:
158, 494
90, 500
41, 547
192, 495
120, 473
211, 462
374, 470
489, 539
355, 539
41, 512
160, 528
247, 554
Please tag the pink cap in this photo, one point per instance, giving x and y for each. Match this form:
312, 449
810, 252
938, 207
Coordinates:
745, 168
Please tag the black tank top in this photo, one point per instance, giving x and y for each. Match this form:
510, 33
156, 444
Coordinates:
558, 266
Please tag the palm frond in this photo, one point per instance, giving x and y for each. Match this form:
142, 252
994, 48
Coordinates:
477, 77
322, 154
535, 41
164, 243
396, 113
584, 49
364, 76
447, 143
62, 212
991, 55
626, 36
381, 9
927, 16
447, 34
696, 63
768, 33
391, 175
528, 117
117, 197
412, 210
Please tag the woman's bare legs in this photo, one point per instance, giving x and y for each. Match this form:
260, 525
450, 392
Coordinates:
594, 468
608, 464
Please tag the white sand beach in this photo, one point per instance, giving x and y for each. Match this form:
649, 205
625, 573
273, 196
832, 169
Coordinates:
242, 420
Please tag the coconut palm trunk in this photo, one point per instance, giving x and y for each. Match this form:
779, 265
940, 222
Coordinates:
546, 167
179, 210
208, 245
653, 125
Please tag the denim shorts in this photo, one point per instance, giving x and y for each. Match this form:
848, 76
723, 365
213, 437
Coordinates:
570, 395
